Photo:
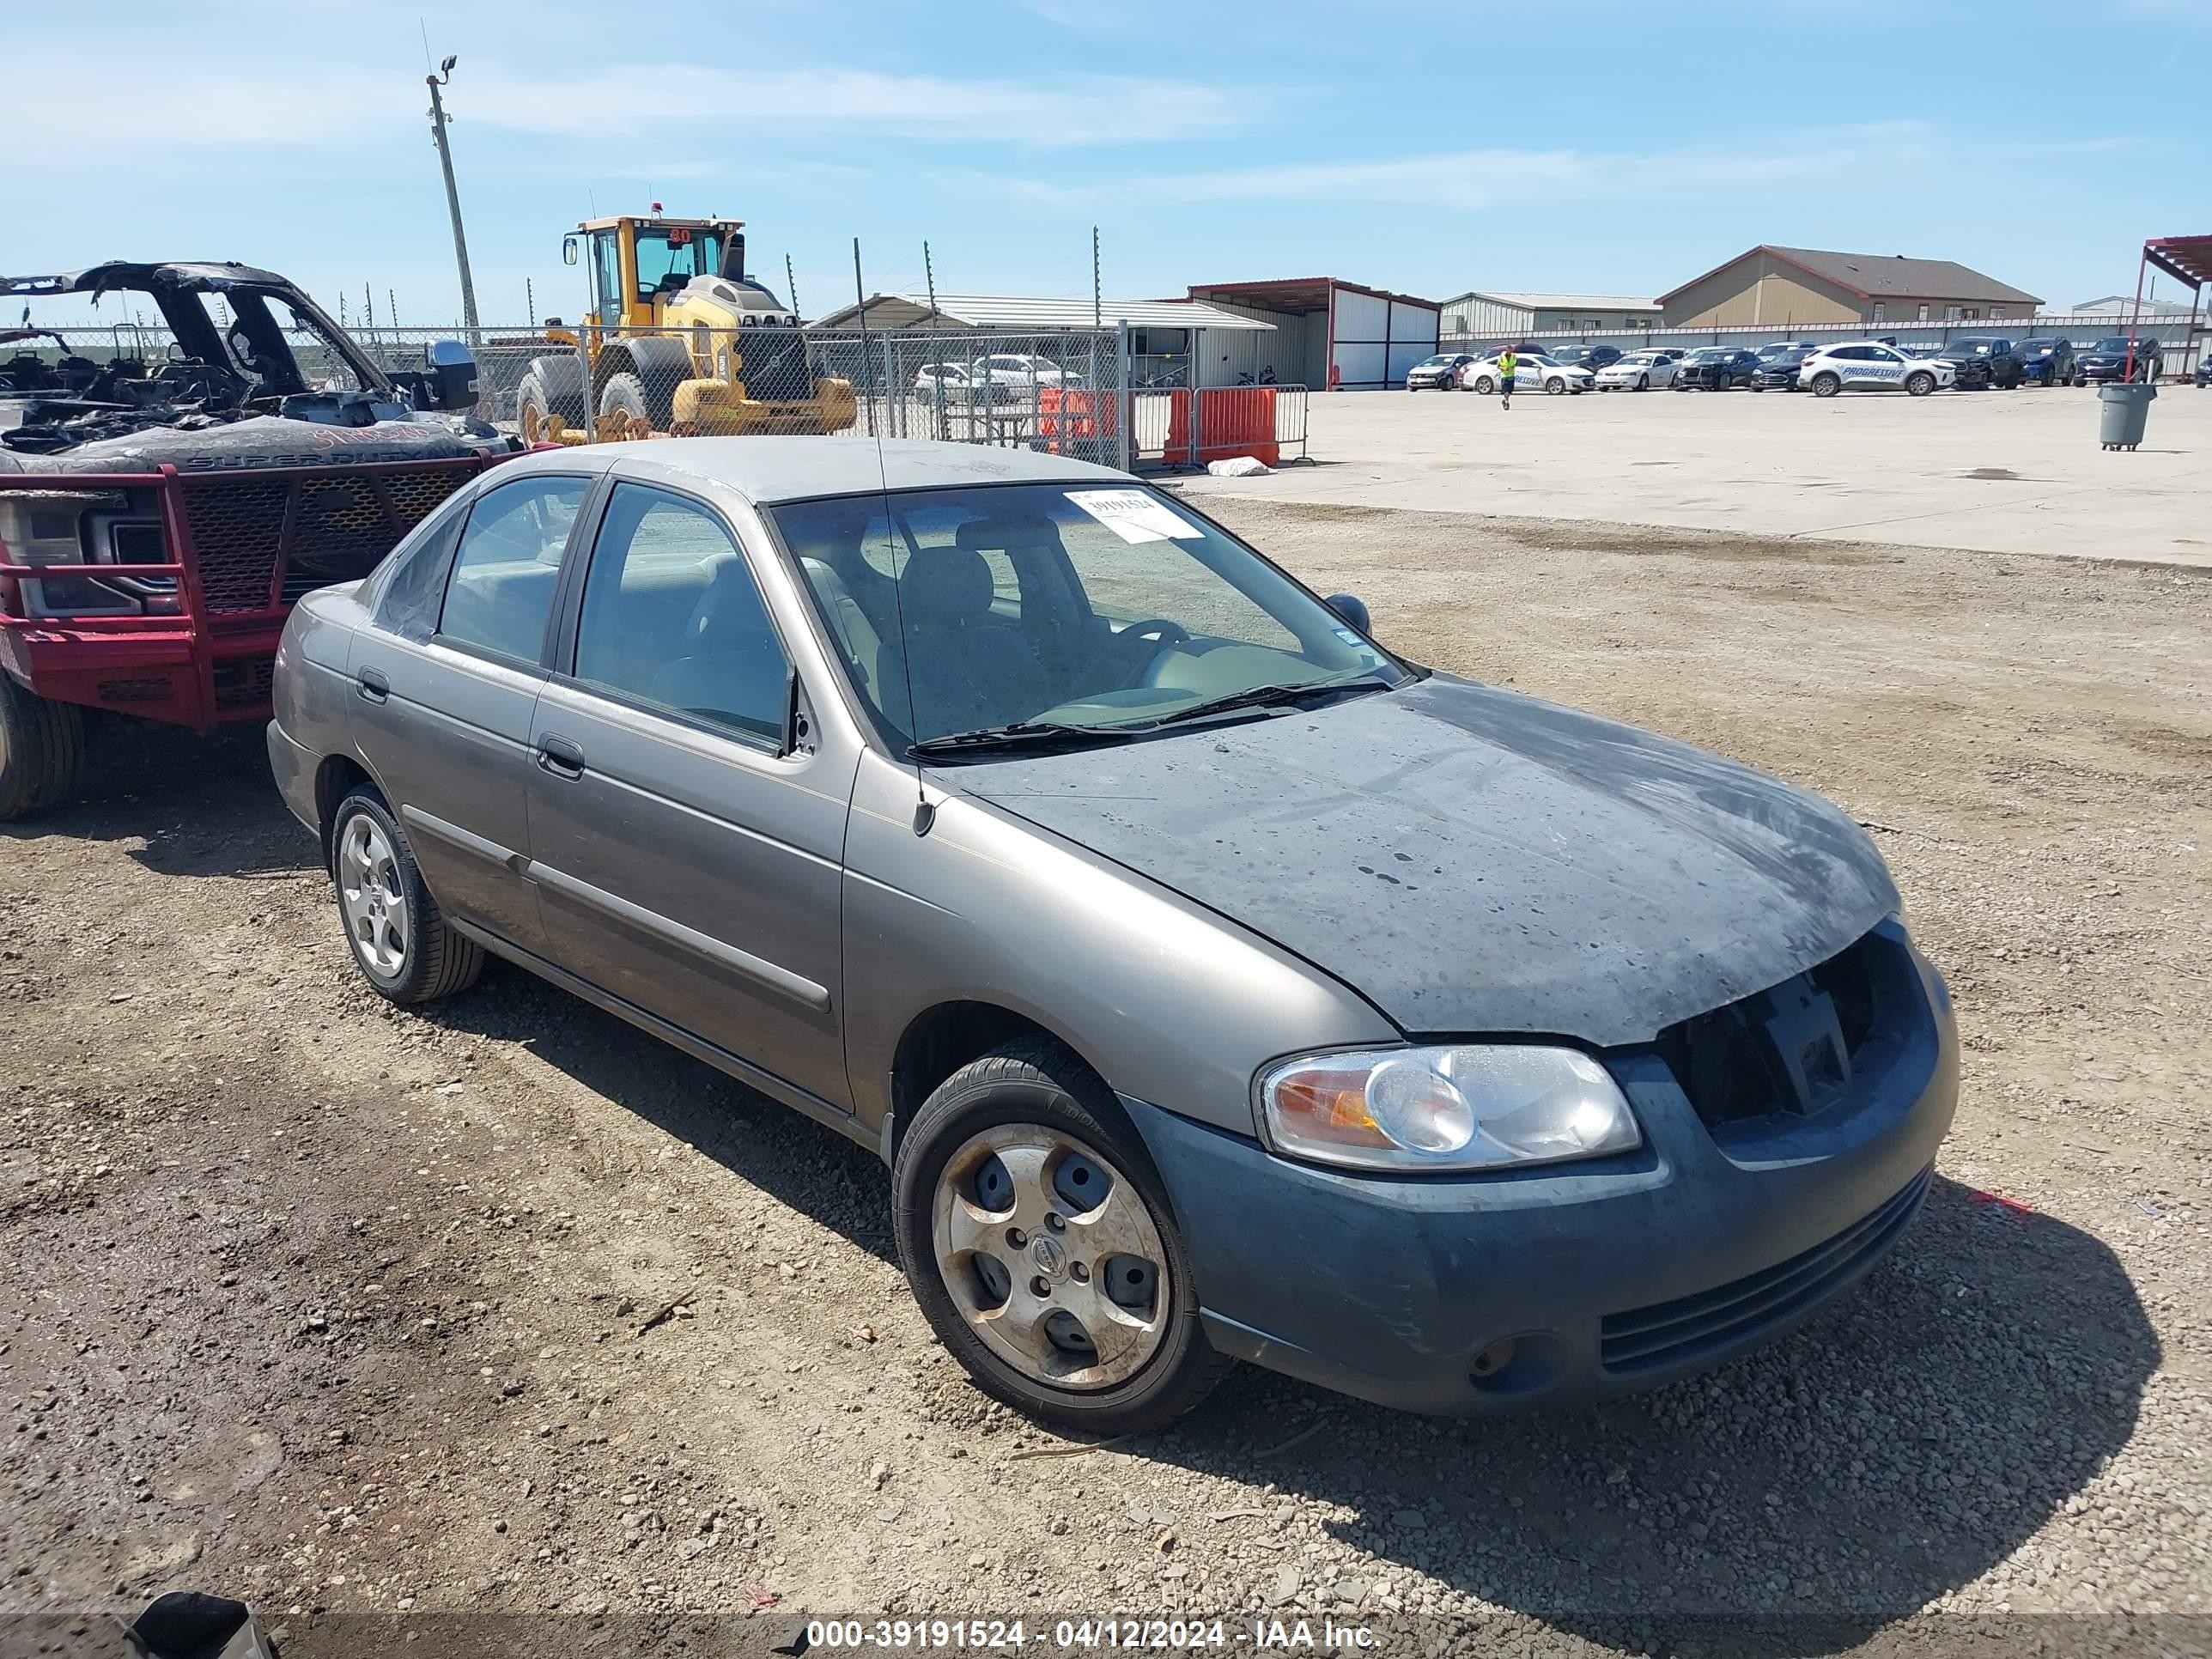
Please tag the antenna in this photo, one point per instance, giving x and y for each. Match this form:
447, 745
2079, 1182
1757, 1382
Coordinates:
924, 813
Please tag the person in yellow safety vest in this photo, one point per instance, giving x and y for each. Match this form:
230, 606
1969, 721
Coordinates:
1507, 361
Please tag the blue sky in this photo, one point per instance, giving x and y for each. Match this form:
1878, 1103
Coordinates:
1592, 147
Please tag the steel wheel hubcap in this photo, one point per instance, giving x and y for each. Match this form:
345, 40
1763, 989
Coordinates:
368, 894
1052, 1256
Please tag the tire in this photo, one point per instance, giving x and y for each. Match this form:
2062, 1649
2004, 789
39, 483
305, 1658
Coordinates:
1919, 384
432, 960
533, 410
41, 752
1826, 384
1556, 386
1029, 1095
622, 398
1484, 384
1643, 383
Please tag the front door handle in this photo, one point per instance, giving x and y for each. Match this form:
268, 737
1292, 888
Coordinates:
559, 757
372, 685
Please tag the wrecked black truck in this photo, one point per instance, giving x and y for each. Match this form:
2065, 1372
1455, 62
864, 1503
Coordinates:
168, 497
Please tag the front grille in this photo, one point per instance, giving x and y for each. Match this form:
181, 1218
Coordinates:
773, 365
1693, 1327
324, 527
1774, 1052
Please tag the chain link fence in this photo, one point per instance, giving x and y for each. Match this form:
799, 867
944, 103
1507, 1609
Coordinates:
1078, 392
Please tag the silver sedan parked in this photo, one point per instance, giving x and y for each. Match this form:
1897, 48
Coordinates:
1216, 984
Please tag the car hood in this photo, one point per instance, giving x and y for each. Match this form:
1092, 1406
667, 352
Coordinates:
1473, 860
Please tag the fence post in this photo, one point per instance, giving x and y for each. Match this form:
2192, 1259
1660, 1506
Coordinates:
1124, 398
584, 379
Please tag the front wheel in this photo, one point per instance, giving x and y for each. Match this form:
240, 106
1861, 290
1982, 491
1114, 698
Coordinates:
41, 751
401, 941
1039, 1242
1555, 386
1920, 385
1643, 383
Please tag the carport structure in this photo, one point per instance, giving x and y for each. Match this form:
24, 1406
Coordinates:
2188, 260
1329, 333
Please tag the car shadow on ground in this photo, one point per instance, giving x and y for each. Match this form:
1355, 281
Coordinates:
1795, 1502
204, 806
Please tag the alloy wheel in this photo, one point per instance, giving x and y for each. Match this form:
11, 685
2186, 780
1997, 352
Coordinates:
370, 898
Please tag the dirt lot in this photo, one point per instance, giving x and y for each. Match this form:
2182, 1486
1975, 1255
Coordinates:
356, 1313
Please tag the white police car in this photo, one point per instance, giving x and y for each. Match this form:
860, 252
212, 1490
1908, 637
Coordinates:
1871, 366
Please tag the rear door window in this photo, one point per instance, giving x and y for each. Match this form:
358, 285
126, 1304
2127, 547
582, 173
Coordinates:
508, 564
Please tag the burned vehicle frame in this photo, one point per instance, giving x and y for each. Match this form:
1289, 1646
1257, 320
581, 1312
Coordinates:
161, 515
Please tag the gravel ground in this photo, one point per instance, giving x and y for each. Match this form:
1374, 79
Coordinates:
366, 1317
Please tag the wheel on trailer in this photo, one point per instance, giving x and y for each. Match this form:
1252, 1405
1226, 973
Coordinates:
400, 939
1919, 384
622, 407
1038, 1239
41, 752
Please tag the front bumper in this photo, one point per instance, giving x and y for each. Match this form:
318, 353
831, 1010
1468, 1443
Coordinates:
1609, 1276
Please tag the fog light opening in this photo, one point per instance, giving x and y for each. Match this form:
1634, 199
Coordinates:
1522, 1364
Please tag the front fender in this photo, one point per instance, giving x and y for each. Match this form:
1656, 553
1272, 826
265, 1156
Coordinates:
1170, 1002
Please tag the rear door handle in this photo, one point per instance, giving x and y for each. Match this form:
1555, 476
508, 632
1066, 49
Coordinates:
372, 685
559, 757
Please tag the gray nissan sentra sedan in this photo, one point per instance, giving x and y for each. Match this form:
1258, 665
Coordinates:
1217, 983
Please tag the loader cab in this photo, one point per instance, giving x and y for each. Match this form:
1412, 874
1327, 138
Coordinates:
638, 265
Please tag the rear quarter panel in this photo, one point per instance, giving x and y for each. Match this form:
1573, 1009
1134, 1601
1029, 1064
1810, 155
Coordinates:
313, 691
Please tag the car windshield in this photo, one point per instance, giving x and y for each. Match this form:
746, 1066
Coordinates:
1968, 348
2117, 345
1709, 355
1101, 607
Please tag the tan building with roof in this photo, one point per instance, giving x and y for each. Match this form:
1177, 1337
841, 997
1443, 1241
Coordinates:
1782, 287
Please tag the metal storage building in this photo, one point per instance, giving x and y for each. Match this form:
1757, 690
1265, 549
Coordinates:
1165, 336
1329, 332
1499, 314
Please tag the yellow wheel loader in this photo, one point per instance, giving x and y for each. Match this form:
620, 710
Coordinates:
680, 341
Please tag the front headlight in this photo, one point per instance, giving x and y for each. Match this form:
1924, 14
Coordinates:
1430, 1110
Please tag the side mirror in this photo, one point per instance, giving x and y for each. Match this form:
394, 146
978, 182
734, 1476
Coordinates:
568, 250
1348, 607
452, 374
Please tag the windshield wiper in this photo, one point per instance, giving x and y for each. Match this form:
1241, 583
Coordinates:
1019, 734
1264, 696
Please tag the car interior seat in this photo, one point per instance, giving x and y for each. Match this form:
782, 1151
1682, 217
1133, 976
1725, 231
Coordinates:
733, 668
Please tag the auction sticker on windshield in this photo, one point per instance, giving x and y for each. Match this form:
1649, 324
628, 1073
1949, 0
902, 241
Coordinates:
1136, 517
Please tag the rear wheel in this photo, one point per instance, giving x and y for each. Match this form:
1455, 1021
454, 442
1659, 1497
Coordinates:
1484, 384
1919, 384
41, 751
1039, 1243
400, 939
1826, 385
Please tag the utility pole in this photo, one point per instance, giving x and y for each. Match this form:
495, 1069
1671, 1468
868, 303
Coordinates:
453, 193
929, 277
1097, 304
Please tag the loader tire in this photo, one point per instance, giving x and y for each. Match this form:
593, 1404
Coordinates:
623, 411
41, 752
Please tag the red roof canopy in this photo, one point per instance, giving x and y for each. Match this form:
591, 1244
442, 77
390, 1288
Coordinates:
2185, 258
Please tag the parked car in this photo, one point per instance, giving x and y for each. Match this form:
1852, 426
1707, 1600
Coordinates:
1440, 372
1021, 375
1715, 368
1774, 347
905, 845
1982, 363
2204, 375
1871, 366
958, 383
2047, 361
1537, 371
2108, 360
1594, 358
1639, 371
1777, 368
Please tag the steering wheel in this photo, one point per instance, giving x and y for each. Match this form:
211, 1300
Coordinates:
1160, 632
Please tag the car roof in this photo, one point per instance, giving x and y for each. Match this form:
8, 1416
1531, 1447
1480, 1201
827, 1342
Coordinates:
769, 470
